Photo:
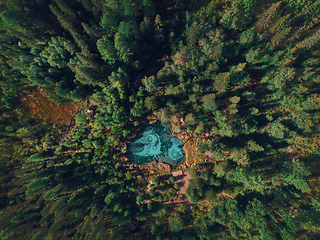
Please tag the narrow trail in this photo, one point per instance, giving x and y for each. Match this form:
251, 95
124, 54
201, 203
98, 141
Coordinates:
196, 148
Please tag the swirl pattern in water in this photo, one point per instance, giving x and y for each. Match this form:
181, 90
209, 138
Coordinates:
156, 142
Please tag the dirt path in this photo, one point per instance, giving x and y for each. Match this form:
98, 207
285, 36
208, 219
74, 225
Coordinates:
183, 179
196, 148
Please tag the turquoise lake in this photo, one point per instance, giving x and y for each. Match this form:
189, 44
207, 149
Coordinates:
156, 142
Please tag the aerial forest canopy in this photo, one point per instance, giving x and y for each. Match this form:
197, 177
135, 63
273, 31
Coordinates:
239, 82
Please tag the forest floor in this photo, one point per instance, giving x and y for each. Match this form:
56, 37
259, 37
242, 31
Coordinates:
41, 107
183, 179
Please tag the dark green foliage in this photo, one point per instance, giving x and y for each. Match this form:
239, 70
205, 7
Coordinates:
81, 119
193, 173
240, 79
36, 157
37, 183
220, 169
296, 174
177, 221
195, 191
156, 180
150, 83
107, 50
172, 179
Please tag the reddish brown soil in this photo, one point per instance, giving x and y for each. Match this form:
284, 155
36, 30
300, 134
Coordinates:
42, 108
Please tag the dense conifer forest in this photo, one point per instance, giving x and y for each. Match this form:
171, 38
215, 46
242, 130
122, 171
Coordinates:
238, 80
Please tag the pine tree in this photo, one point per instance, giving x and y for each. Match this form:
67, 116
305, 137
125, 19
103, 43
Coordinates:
69, 22
107, 50
109, 24
308, 43
230, 18
265, 20
221, 82
92, 31
276, 130
221, 168
146, 29
253, 146
122, 43
150, 83
280, 30
209, 102
151, 103
296, 174
37, 183
240, 156
148, 7
21, 27
129, 12
158, 34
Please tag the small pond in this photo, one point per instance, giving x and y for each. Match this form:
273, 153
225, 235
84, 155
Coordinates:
156, 142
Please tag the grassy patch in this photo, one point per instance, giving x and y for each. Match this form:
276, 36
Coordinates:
189, 149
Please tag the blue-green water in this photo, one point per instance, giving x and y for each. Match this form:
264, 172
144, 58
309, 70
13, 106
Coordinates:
156, 142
